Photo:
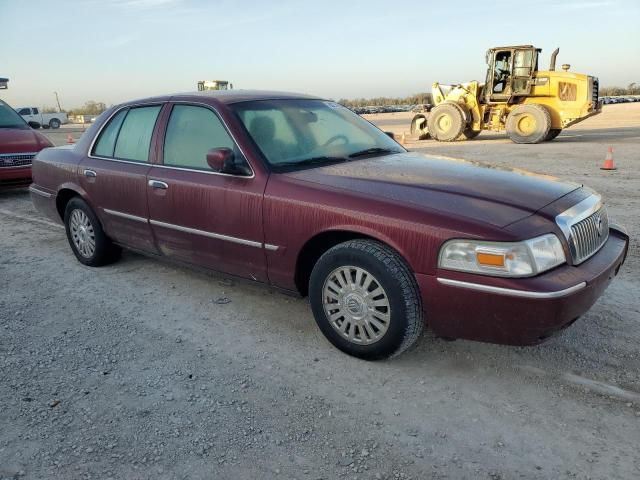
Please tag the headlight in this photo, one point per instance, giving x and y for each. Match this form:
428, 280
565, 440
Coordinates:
503, 259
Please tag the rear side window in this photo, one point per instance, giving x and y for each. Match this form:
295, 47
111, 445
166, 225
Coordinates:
191, 132
127, 136
134, 138
107, 141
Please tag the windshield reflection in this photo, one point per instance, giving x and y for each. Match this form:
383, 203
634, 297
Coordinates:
296, 133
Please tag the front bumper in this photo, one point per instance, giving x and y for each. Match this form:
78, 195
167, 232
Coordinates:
15, 176
518, 311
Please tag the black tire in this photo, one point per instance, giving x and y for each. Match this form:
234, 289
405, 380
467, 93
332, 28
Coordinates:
46, 127
390, 272
54, 123
447, 122
553, 133
105, 251
528, 124
419, 127
469, 134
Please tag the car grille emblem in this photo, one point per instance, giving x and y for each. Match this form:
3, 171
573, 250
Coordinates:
599, 225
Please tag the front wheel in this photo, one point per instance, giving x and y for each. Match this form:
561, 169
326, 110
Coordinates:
446, 122
88, 241
365, 300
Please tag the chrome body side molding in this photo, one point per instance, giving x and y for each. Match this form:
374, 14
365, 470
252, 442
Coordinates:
511, 292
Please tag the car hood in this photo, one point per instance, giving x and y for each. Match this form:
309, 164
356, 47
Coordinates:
483, 192
15, 140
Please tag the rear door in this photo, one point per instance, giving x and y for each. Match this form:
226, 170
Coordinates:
198, 215
114, 175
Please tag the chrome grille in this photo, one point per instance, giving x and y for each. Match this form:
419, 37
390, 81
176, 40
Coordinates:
589, 235
16, 159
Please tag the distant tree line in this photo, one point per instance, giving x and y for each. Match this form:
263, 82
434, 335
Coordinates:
632, 89
417, 99
89, 108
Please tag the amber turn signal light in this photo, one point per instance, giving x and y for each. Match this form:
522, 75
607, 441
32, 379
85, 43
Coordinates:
490, 259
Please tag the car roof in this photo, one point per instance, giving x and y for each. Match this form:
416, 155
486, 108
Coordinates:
235, 96
224, 96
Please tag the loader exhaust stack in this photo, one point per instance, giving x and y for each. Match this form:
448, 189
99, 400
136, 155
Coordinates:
552, 66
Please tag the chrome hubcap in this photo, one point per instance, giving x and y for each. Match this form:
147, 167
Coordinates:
82, 233
356, 305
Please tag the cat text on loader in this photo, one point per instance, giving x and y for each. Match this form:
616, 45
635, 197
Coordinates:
531, 105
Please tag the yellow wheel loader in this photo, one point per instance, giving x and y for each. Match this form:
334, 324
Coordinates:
531, 105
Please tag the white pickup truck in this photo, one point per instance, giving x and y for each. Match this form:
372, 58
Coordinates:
32, 114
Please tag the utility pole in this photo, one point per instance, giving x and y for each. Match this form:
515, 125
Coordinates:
57, 101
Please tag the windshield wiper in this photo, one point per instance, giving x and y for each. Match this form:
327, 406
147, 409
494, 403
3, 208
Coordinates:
312, 161
372, 151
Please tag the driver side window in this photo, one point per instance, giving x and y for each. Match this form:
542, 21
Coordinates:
192, 131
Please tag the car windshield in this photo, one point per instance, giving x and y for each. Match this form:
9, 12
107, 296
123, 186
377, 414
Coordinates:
297, 133
9, 118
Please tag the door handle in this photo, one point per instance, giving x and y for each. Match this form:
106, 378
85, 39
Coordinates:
158, 184
90, 173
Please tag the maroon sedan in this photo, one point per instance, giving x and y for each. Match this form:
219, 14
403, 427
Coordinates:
302, 194
18, 145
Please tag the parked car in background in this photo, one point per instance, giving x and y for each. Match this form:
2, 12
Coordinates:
303, 194
33, 114
19, 143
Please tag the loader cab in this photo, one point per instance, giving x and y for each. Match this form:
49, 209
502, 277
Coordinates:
509, 73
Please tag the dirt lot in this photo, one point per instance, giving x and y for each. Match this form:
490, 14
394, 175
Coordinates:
142, 370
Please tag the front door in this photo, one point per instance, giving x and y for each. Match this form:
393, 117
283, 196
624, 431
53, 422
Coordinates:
114, 175
198, 215
524, 63
28, 115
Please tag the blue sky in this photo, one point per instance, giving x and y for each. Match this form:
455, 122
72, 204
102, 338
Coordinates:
121, 49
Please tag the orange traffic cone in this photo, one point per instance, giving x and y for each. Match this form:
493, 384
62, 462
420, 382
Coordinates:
70, 139
608, 161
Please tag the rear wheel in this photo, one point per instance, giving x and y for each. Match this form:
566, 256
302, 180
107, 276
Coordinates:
553, 133
528, 124
419, 127
89, 243
365, 300
54, 123
446, 122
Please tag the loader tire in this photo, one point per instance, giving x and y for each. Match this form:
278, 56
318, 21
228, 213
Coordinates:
419, 127
553, 133
469, 134
528, 124
447, 122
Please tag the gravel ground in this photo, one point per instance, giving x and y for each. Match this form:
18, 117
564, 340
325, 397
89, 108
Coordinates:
146, 369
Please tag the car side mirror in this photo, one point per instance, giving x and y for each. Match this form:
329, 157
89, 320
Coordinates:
34, 125
390, 135
220, 159
223, 160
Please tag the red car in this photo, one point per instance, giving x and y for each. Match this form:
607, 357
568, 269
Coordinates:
303, 194
19, 143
